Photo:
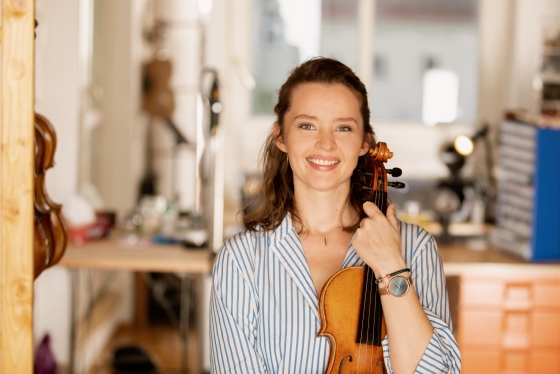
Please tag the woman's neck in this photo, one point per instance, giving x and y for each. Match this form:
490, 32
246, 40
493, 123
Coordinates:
323, 212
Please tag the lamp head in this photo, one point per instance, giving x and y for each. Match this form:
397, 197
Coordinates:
463, 145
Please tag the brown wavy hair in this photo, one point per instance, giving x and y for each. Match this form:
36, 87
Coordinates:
275, 196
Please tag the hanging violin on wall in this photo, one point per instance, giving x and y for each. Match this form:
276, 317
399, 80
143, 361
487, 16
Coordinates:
349, 304
49, 227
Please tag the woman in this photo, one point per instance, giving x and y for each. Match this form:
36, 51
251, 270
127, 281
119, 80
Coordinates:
307, 225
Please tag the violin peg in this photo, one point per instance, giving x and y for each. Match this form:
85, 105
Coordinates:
395, 172
397, 185
360, 173
360, 187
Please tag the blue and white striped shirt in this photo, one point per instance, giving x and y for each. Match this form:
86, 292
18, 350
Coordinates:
264, 309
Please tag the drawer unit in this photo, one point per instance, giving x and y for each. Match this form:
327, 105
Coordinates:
493, 361
509, 322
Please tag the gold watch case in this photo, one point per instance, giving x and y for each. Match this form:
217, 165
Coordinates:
398, 286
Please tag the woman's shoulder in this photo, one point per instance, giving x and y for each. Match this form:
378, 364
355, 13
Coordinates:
414, 236
243, 245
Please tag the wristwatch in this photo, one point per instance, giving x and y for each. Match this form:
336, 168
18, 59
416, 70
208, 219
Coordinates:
398, 286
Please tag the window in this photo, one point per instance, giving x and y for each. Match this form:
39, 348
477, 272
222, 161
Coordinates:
287, 32
410, 38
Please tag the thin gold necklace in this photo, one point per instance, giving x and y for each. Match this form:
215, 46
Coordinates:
326, 238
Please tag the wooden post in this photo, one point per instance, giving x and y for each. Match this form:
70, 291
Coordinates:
16, 186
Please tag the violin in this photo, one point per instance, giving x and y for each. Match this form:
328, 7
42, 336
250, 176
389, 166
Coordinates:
349, 305
49, 228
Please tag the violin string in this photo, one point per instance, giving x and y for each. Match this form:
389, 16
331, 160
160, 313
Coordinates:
378, 203
362, 316
361, 324
371, 294
368, 296
381, 203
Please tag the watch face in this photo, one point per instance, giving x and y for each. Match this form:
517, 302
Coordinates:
398, 286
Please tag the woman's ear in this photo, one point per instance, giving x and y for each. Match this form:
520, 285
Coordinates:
367, 143
277, 132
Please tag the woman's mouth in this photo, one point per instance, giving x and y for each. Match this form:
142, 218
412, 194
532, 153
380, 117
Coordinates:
321, 162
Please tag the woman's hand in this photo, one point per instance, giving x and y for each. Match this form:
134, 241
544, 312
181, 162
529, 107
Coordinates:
378, 240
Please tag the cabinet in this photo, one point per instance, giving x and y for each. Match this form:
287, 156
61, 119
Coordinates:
509, 321
528, 204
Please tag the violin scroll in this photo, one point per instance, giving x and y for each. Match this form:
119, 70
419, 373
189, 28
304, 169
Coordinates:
381, 153
377, 176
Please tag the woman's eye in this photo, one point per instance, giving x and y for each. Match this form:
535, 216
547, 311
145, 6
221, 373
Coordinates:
306, 126
344, 128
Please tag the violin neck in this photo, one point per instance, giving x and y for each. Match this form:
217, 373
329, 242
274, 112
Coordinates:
380, 199
371, 314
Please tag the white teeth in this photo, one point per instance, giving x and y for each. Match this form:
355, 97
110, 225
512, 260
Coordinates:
323, 162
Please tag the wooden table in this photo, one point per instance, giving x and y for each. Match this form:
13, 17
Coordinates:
115, 254
459, 257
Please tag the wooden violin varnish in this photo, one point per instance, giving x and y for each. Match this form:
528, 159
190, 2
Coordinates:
50, 232
349, 304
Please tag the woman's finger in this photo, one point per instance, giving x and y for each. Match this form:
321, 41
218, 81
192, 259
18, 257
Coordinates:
371, 209
392, 216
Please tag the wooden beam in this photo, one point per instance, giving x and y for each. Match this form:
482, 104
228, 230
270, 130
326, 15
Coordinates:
16, 186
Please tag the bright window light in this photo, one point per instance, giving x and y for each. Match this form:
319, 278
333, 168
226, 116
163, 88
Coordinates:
205, 6
440, 97
302, 21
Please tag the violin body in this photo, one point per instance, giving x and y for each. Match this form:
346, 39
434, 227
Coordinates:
339, 312
50, 232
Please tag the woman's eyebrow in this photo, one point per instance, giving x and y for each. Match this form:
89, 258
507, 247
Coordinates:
346, 119
305, 116
339, 119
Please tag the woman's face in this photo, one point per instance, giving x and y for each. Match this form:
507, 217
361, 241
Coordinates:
323, 136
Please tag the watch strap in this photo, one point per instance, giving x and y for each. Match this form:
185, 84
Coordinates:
384, 291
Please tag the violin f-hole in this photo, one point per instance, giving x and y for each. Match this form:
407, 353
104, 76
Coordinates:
340, 367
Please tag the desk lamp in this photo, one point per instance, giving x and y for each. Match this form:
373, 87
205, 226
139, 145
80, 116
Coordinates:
454, 155
450, 192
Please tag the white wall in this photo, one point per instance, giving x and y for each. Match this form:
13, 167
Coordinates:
118, 139
57, 97
56, 88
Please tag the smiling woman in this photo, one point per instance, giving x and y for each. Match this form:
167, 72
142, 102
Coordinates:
323, 137
312, 90
309, 223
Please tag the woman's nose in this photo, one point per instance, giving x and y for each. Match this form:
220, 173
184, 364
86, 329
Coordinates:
326, 140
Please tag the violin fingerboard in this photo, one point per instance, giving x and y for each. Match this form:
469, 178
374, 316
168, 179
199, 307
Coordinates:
371, 314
